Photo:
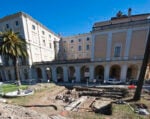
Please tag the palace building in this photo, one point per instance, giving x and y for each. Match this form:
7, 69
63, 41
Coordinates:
42, 44
114, 49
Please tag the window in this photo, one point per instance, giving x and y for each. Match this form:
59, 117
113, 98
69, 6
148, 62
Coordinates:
72, 41
33, 27
80, 55
87, 47
43, 32
49, 36
34, 37
17, 23
44, 43
87, 38
72, 49
7, 26
79, 40
117, 51
80, 48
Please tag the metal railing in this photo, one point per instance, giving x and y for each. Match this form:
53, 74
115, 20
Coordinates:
140, 57
106, 59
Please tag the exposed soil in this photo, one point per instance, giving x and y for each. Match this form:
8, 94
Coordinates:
8, 111
43, 103
44, 100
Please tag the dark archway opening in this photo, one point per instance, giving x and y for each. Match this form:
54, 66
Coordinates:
60, 75
115, 71
99, 73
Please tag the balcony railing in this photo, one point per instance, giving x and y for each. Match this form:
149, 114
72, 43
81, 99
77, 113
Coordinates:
119, 58
134, 58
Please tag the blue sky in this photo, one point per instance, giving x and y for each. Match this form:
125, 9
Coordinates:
69, 17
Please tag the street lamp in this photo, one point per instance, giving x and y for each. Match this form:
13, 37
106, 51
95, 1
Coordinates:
86, 74
47, 70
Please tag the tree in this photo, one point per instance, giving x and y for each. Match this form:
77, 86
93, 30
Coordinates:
13, 46
138, 91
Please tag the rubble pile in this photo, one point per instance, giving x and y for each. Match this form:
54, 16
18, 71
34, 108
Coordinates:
67, 97
84, 99
140, 108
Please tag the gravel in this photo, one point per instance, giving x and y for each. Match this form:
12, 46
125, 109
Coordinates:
8, 111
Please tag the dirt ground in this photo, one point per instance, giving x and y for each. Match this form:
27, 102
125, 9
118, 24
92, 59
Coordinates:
43, 102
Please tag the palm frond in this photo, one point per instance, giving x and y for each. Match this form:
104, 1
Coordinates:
12, 44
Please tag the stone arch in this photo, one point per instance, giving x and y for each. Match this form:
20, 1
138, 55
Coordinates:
60, 74
132, 72
115, 72
39, 74
99, 73
83, 71
71, 74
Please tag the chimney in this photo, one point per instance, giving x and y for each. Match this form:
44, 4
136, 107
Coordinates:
129, 12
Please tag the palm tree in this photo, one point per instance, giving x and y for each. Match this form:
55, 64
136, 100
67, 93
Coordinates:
138, 91
13, 46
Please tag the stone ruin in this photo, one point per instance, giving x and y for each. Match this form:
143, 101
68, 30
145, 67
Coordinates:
98, 100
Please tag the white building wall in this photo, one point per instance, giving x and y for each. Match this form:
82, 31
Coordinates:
39, 40
27, 37
38, 50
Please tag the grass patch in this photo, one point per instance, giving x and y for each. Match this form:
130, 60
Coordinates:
12, 87
86, 115
40, 91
